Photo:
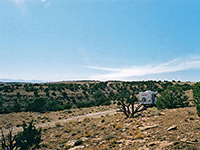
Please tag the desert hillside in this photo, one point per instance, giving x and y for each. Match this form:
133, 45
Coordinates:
150, 129
90, 115
17, 97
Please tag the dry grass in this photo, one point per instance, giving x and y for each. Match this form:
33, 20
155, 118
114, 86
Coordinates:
58, 124
116, 132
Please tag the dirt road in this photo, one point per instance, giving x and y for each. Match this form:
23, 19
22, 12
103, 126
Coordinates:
76, 118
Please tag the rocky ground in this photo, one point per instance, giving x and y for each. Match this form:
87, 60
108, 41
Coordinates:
17, 119
151, 129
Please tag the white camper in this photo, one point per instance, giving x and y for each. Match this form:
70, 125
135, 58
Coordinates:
148, 98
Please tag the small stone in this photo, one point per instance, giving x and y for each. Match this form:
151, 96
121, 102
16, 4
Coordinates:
183, 140
153, 143
148, 127
195, 140
161, 113
71, 143
121, 141
178, 137
77, 147
174, 127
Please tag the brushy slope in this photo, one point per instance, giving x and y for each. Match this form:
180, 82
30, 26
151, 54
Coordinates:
16, 97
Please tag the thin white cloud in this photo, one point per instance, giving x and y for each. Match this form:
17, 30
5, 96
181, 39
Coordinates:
47, 4
179, 64
43, 1
21, 4
103, 68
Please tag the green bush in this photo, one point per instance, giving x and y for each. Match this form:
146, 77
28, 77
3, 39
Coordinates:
197, 104
196, 90
172, 98
30, 138
109, 137
68, 106
78, 142
38, 105
16, 107
8, 141
53, 105
196, 93
107, 103
4, 110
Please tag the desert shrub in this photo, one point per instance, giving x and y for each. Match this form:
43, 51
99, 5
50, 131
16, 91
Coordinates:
196, 93
69, 111
53, 93
29, 138
80, 104
196, 90
47, 94
57, 124
118, 126
68, 106
46, 90
1, 102
172, 98
36, 93
100, 97
126, 99
88, 133
16, 107
64, 94
85, 104
4, 110
8, 142
7, 88
78, 142
197, 103
109, 137
38, 105
113, 141
53, 105
107, 103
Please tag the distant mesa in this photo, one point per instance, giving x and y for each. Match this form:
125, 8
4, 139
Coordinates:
20, 80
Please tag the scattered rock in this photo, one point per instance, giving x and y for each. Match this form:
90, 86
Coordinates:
144, 148
77, 147
96, 139
84, 139
160, 144
129, 142
153, 143
174, 127
183, 140
148, 127
123, 130
195, 140
161, 113
121, 141
71, 143
164, 144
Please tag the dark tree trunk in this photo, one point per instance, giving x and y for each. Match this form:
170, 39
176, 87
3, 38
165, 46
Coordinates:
133, 112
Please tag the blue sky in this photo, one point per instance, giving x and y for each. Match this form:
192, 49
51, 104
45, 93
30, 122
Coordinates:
100, 39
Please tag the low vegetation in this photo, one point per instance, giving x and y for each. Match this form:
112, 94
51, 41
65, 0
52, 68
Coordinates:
172, 97
29, 138
196, 93
17, 97
153, 128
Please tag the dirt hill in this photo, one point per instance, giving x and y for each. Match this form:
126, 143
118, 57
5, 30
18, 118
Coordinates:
151, 129
17, 97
